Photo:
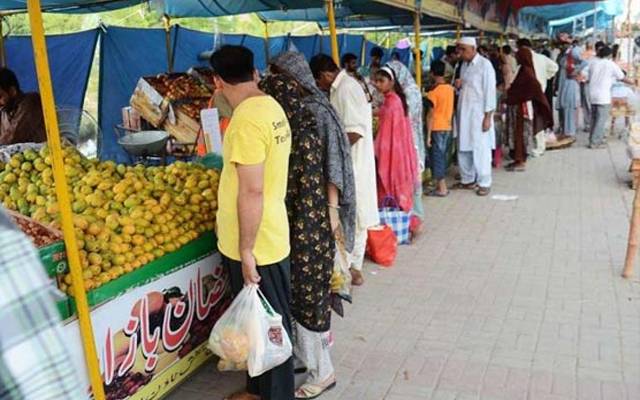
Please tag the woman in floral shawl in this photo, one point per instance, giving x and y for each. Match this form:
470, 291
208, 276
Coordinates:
320, 200
414, 102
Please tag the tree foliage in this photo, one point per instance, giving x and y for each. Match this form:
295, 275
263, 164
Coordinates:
142, 16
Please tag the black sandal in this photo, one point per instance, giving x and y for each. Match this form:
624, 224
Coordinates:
465, 186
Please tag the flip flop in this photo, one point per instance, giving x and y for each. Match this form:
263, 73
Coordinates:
435, 193
465, 186
483, 191
515, 167
310, 391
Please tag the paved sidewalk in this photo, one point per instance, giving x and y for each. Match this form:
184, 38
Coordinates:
501, 300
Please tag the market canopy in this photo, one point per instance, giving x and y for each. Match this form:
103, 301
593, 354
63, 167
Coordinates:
217, 8
564, 17
69, 6
519, 4
350, 17
173, 8
569, 10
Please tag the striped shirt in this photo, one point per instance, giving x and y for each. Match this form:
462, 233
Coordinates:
34, 360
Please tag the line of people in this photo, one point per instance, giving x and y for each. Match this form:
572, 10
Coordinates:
505, 99
301, 184
313, 150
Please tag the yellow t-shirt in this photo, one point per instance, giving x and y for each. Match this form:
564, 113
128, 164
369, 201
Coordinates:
258, 133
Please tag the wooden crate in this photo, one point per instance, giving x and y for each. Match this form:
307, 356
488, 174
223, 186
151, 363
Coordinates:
166, 109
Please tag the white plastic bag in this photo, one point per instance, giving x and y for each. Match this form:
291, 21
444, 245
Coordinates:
250, 335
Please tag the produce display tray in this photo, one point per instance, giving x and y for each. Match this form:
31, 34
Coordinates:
190, 253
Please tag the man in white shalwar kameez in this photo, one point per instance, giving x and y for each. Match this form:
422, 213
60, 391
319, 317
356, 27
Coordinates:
476, 104
350, 102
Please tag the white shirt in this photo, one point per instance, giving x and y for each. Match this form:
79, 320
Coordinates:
477, 97
351, 104
602, 74
545, 68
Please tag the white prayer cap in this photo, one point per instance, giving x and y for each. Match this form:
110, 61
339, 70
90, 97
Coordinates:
467, 41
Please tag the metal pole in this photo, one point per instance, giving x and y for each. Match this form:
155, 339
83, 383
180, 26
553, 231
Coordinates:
363, 50
62, 193
3, 55
266, 41
595, 21
630, 44
458, 32
634, 235
416, 29
166, 20
331, 15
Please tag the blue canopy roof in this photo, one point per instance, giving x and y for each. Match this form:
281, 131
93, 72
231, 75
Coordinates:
357, 16
559, 18
561, 11
216, 8
70, 6
174, 8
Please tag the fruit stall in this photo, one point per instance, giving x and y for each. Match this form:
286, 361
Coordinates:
147, 251
132, 248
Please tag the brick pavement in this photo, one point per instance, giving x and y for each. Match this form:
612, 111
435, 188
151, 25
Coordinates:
515, 300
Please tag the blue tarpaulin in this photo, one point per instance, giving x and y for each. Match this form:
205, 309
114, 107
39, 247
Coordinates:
129, 53
126, 54
70, 59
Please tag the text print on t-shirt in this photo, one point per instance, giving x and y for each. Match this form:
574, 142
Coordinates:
278, 126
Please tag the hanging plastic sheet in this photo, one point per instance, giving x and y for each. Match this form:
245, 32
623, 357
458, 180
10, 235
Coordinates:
370, 46
126, 54
351, 44
278, 45
188, 47
309, 45
70, 59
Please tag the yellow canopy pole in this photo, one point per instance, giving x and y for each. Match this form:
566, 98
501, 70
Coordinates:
416, 48
166, 20
458, 32
331, 15
3, 55
62, 193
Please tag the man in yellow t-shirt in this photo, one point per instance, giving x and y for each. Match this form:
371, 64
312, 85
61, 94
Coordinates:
253, 230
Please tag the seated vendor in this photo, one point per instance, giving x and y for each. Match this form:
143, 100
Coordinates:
21, 119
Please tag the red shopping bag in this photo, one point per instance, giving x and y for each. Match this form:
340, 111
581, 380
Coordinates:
382, 245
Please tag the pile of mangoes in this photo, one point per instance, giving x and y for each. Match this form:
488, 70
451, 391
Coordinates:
124, 216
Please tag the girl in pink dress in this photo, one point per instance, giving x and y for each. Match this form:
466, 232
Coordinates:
396, 160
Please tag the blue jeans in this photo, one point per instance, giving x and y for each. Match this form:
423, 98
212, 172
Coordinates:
440, 143
599, 119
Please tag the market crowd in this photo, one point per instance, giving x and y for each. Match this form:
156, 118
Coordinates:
314, 150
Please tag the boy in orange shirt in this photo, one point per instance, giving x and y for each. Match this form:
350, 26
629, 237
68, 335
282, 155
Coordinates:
439, 127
